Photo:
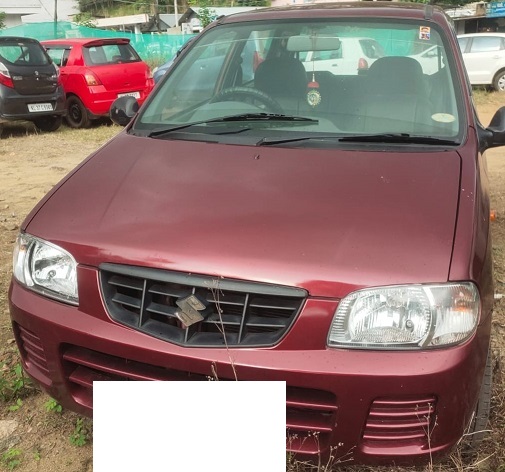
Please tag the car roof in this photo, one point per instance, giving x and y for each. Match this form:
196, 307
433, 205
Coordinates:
86, 41
383, 9
5, 39
473, 35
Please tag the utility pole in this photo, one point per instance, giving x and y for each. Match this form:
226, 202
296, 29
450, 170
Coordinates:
176, 15
157, 15
55, 18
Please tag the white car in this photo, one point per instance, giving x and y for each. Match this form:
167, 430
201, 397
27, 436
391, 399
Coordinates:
353, 55
484, 57
431, 60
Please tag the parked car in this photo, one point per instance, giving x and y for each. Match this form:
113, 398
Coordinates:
160, 71
354, 55
332, 232
431, 60
30, 84
96, 71
484, 56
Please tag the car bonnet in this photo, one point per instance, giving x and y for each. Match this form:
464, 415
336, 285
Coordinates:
325, 220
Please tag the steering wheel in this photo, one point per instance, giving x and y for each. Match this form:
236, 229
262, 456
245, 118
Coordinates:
251, 93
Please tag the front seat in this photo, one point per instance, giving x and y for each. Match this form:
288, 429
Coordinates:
281, 77
396, 97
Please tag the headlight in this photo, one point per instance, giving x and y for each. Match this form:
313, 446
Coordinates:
406, 317
45, 268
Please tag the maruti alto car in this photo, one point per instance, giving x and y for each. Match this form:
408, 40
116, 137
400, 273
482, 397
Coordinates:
323, 229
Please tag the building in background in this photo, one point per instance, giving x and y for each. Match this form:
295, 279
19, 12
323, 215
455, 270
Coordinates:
18, 12
66, 10
15, 10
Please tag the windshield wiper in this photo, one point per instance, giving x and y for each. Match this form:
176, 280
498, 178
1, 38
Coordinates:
273, 141
396, 138
244, 117
363, 138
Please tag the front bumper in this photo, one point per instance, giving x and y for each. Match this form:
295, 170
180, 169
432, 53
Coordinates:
366, 406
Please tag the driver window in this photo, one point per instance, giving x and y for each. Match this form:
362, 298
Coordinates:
254, 53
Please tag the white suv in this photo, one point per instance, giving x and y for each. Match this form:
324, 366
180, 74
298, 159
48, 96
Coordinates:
353, 55
484, 56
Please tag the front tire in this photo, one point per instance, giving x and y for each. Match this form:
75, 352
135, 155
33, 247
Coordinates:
77, 115
48, 123
499, 81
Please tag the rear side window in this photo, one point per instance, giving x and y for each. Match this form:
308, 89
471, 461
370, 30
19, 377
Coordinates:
486, 43
371, 49
23, 53
59, 55
463, 43
109, 54
325, 55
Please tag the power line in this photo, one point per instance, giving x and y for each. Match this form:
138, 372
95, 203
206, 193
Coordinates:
44, 7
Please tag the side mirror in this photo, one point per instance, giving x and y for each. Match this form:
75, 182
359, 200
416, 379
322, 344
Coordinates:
494, 134
123, 110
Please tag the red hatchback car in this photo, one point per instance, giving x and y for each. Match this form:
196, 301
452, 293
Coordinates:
283, 223
95, 72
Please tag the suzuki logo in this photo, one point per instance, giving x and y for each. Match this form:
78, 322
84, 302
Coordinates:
190, 308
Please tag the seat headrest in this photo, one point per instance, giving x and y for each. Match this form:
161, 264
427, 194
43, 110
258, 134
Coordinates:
281, 76
395, 74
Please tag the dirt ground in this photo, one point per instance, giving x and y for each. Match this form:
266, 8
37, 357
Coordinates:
30, 164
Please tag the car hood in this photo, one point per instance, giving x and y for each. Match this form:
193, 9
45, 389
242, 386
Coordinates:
326, 220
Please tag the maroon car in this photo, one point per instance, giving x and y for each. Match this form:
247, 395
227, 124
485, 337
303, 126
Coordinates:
282, 221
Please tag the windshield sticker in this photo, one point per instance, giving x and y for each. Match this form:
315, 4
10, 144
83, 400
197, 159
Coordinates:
443, 117
424, 32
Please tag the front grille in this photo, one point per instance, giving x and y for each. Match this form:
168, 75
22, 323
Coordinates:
398, 421
237, 313
32, 350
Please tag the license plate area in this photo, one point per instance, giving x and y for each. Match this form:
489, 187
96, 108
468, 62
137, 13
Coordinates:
35, 107
129, 94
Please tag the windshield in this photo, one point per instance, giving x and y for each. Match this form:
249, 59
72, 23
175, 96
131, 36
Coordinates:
347, 77
25, 53
109, 54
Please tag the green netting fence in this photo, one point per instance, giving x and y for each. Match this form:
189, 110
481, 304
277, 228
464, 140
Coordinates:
153, 48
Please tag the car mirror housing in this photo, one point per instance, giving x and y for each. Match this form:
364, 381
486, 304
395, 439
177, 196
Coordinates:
123, 109
494, 134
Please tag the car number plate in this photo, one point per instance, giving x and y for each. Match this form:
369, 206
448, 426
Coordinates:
40, 107
129, 94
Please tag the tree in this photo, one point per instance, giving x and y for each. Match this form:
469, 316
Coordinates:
206, 16
2, 19
84, 19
